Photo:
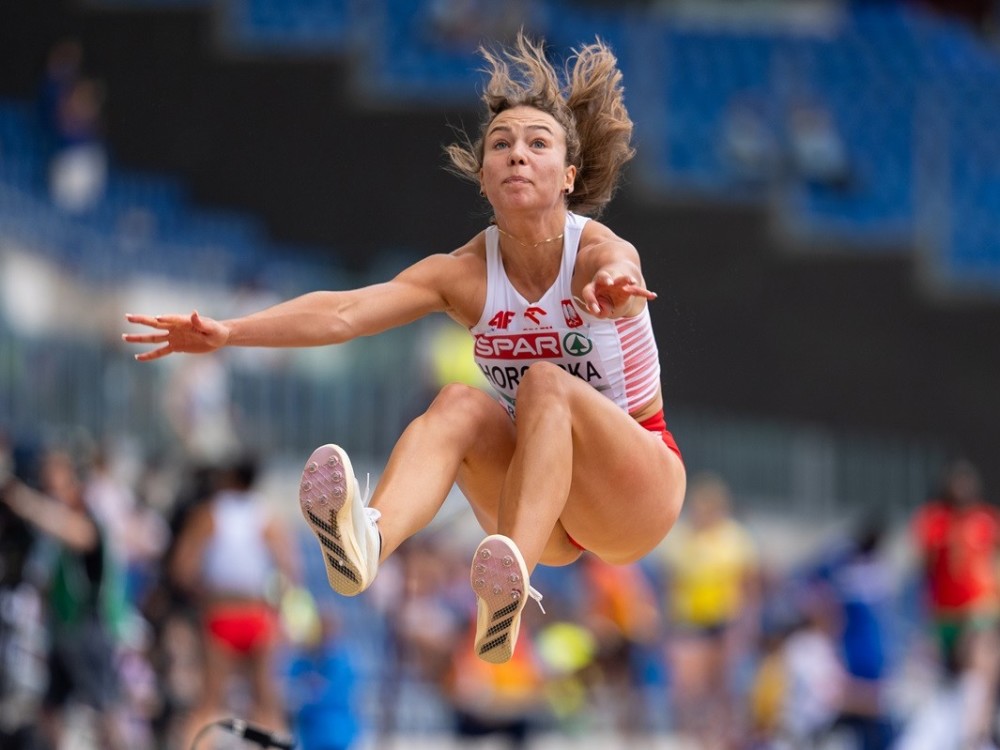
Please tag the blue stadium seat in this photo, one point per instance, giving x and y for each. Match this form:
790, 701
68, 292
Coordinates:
906, 90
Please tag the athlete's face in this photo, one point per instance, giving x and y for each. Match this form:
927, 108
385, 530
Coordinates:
524, 160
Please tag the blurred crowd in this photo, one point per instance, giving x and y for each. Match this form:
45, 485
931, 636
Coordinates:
71, 115
151, 601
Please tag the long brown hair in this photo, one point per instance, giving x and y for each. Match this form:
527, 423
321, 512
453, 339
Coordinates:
587, 101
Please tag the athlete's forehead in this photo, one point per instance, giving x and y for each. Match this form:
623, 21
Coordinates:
524, 118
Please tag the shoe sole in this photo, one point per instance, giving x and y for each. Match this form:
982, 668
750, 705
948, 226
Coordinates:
326, 497
499, 580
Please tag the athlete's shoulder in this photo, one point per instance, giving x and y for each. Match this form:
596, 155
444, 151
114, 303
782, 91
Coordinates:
595, 234
458, 277
475, 247
467, 258
460, 262
600, 245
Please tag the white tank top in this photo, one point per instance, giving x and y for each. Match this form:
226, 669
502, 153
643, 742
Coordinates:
237, 560
616, 357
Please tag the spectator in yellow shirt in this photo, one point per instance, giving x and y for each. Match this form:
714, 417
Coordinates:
711, 592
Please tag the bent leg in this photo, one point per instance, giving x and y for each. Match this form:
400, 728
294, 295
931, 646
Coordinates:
464, 437
463, 431
583, 462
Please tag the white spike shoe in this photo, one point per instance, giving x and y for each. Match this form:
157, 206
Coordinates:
499, 578
332, 505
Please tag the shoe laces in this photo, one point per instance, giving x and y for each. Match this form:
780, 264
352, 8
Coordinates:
372, 514
534, 594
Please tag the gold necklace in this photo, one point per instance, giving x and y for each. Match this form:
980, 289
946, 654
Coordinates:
528, 244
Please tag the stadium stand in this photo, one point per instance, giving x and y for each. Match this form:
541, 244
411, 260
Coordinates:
725, 110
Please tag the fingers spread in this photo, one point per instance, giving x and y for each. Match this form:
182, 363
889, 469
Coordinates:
145, 338
154, 354
146, 320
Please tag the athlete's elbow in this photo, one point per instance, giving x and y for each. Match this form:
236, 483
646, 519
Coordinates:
338, 331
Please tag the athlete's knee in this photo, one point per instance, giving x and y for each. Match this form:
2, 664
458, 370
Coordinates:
556, 556
459, 412
458, 401
560, 549
542, 380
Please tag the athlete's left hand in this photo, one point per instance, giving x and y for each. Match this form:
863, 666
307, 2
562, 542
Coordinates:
611, 295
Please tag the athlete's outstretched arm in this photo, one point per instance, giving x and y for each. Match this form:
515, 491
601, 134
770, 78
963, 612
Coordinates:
610, 278
313, 319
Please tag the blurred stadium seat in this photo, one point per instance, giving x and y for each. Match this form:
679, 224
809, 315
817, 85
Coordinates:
904, 89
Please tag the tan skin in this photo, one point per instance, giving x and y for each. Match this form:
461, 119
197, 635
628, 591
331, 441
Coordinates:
574, 462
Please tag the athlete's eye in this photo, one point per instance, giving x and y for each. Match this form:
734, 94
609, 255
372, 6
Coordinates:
499, 145
538, 143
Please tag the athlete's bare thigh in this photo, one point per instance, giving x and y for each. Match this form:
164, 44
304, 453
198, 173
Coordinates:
627, 486
484, 470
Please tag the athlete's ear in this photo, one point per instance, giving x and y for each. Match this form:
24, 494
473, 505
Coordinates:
570, 179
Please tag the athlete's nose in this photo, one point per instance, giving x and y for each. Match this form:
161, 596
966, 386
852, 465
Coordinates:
516, 153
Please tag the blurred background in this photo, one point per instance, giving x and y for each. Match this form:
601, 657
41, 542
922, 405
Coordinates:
816, 199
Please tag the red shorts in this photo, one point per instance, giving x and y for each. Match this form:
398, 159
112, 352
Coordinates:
655, 423
241, 627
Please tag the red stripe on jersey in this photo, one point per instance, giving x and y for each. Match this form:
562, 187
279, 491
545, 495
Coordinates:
641, 366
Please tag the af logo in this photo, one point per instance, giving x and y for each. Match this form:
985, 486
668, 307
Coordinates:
577, 344
501, 320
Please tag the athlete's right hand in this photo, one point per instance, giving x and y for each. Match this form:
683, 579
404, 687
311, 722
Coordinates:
190, 334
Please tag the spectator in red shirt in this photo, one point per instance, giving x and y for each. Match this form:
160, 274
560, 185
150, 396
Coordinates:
958, 537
